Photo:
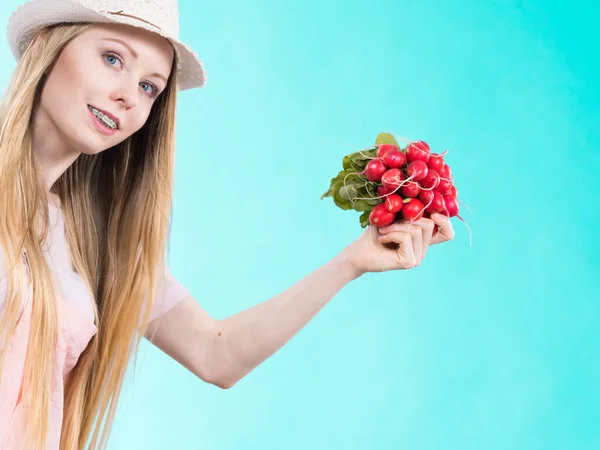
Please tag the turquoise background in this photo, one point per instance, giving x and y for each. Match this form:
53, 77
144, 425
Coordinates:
492, 347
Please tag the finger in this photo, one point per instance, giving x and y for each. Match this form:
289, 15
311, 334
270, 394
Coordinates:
445, 229
405, 255
426, 226
439, 219
401, 225
416, 233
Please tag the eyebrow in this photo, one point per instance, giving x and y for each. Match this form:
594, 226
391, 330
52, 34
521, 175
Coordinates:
134, 54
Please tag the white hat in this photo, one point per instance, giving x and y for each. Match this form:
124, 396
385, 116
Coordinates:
158, 16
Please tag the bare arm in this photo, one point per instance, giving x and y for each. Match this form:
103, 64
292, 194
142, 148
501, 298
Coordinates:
222, 352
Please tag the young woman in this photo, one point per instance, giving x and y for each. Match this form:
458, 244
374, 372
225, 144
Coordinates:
86, 160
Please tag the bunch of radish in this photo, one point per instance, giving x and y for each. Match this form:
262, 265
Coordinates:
387, 182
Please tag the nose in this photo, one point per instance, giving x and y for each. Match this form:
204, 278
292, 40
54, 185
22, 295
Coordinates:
126, 94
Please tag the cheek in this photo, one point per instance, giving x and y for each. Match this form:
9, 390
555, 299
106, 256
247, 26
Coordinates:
56, 99
62, 92
138, 120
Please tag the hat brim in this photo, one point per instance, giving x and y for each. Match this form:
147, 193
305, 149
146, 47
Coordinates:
37, 14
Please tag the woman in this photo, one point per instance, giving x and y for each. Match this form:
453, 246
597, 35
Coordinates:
86, 161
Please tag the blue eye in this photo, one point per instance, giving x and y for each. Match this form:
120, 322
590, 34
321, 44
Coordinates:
151, 91
111, 59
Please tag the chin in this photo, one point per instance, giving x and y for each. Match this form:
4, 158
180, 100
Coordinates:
89, 146
90, 143
91, 151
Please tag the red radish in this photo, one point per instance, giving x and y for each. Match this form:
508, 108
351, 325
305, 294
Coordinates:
393, 203
426, 196
375, 169
431, 180
392, 179
433, 200
417, 151
444, 186
382, 191
417, 170
384, 148
413, 210
436, 162
445, 172
410, 189
453, 192
380, 216
394, 159
449, 172
451, 206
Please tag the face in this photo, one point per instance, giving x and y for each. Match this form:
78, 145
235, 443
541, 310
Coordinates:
102, 88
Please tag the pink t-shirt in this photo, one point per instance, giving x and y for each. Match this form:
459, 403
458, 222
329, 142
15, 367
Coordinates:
76, 328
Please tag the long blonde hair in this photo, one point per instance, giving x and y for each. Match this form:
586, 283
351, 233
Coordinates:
116, 208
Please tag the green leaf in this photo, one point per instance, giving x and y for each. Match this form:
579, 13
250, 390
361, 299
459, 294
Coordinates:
359, 165
349, 183
371, 189
362, 205
364, 219
386, 138
341, 203
347, 162
349, 192
336, 183
359, 159
331, 190
327, 193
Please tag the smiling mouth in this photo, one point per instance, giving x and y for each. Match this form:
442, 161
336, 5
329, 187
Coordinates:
103, 118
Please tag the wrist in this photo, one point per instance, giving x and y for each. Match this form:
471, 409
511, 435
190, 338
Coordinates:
346, 267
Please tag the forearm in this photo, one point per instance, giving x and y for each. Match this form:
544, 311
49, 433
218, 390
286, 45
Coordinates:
251, 336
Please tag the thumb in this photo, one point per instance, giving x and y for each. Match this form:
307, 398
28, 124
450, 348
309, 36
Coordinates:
439, 219
444, 229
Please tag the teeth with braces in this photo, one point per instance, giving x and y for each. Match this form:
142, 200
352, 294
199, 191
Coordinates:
103, 118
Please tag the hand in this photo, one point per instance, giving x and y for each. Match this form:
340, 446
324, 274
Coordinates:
398, 246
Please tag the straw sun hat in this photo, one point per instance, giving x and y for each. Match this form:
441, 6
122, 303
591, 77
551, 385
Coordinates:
158, 16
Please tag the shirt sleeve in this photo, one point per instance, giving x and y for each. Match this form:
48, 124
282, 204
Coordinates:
168, 293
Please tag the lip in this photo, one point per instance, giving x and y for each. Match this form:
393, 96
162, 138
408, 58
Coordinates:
103, 129
114, 118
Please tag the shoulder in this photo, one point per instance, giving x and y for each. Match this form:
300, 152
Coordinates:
168, 293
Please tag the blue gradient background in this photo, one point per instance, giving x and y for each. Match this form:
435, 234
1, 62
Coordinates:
492, 347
